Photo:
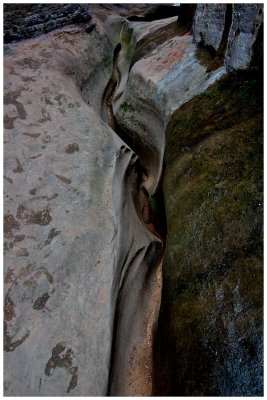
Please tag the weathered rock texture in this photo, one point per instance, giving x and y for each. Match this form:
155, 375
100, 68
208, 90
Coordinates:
74, 243
230, 32
247, 24
168, 74
26, 20
209, 24
79, 261
210, 326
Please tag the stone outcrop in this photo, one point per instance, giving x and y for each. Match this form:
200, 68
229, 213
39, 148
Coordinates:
210, 333
209, 24
247, 25
154, 86
26, 20
230, 32
87, 114
74, 243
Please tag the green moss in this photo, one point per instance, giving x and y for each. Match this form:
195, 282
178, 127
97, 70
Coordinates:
125, 106
202, 35
152, 202
212, 270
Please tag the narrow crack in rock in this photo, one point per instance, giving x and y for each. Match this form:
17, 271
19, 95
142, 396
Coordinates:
139, 381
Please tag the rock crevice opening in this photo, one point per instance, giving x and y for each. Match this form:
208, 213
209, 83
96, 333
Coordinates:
151, 212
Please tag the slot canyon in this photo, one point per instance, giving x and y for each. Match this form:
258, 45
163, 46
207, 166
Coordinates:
133, 199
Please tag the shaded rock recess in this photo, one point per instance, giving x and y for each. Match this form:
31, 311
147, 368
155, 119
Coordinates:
210, 324
108, 126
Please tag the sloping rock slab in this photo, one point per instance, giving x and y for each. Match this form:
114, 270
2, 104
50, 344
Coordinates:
71, 231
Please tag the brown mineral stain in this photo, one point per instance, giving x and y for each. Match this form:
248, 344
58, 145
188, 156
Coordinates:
74, 379
71, 148
9, 310
18, 168
10, 276
28, 79
34, 157
30, 63
11, 98
31, 135
41, 217
19, 238
46, 116
63, 179
63, 358
8, 122
23, 252
40, 303
8, 345
9, 224
51, 197
52, 233
8, 179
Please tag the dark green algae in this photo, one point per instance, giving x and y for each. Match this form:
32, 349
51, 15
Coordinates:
209, 338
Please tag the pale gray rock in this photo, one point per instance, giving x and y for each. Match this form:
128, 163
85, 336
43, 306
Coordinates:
78, 260
208, 26
73, 239
246, 22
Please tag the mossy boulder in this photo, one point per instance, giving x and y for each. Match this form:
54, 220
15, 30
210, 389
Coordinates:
210, 324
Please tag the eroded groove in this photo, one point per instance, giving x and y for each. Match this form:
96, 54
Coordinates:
151, 212
146, 155
227, 26
106, 109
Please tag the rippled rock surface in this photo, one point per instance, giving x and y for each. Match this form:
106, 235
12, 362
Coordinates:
26, 20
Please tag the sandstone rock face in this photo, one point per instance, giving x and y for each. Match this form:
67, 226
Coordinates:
246, 25
162, 80
71, 245
230, 32
208, 27
27, 20
211, 321
79, 261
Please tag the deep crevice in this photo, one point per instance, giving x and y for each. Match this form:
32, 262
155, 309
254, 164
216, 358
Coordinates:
150, 209
145, 153
227, 26
160, 11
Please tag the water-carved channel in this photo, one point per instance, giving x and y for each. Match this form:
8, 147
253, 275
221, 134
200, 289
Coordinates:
151, 212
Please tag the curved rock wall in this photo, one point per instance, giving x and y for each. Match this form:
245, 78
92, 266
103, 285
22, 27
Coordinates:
210, 334
167, 75
59, 162
72, 234
79, 263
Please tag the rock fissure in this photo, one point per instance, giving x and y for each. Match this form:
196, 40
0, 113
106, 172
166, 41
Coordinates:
106, 122
151, 212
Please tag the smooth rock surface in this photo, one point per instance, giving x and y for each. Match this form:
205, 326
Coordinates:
165, 77
73, 239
